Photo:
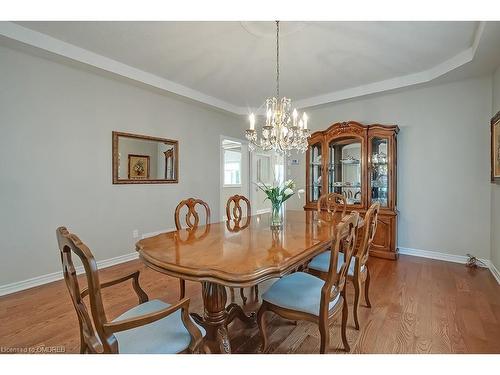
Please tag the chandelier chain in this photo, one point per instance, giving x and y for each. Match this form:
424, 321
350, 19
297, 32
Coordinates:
283, 130
277, 59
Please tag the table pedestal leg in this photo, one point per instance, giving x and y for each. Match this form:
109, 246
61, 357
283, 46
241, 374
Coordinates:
217, 316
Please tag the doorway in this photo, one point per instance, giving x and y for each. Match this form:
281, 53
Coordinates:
242, 171
234, 169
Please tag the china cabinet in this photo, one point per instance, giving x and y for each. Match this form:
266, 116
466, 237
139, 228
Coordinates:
359, 162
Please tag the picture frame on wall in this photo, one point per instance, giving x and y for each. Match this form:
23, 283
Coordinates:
495, 148
138, 167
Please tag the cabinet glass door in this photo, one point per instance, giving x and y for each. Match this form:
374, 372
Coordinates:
344, 169
379, 168
315, 172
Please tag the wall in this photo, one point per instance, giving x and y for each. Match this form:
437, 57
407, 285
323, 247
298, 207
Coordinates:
495, 188
443, 161
55, 160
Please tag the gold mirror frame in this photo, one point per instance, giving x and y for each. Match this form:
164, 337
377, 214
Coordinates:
116, 180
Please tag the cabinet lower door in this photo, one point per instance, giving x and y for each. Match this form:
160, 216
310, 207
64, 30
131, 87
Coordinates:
384, 243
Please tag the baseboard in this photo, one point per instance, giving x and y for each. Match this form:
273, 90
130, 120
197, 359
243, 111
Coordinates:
494, 271
449, 258
436, 255
55, 276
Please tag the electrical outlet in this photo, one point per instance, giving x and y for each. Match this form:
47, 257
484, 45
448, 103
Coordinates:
135, 233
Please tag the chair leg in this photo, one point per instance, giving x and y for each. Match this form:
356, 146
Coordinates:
357, 291
231, 290
324, 333
83, 345
262, 326
205, 349
367, 287
345, 314
182, 285
256, 292
242, 294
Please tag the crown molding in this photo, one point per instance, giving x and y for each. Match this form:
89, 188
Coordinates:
70, 51
428, 75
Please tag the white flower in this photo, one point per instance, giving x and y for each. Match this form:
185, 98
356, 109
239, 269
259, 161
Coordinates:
290, 184
288, 191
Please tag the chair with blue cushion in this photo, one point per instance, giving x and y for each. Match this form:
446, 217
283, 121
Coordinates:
358, 271
302, 296
151, 327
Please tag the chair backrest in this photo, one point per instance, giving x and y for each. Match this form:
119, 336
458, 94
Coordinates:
345, 239
369, 230
236, 213
191, 214
68, 244
333, 203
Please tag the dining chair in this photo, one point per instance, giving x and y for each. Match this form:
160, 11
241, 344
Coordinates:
234, 213
192, 220
358, 271
150, 327
333, 203
302, 296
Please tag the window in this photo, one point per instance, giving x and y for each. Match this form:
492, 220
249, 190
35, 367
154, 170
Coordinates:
232, 162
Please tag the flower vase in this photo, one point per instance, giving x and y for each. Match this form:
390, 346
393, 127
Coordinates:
277, 214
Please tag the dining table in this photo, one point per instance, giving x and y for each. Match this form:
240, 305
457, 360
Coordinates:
236, 254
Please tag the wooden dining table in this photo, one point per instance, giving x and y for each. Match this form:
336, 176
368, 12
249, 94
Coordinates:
236, 254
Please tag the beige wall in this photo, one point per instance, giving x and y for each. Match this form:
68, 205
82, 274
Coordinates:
495, 188
443, 161
55, 160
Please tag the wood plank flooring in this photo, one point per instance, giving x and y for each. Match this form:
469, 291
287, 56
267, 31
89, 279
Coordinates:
418, 306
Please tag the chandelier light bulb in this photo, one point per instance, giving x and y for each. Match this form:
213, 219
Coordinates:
252, 121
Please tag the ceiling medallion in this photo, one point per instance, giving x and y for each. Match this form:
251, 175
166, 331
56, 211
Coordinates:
283, 131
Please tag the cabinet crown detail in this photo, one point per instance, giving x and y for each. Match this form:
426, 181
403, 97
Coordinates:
360, 162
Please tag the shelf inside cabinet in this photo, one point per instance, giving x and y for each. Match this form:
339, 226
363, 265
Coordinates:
347, 186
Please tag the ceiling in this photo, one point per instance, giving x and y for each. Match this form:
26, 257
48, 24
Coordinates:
231, 65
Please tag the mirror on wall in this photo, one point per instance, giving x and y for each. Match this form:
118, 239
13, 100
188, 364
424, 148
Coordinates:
140, 159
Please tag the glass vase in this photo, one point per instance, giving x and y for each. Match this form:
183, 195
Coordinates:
277, 215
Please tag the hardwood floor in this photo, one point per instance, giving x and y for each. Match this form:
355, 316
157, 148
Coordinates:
418, 306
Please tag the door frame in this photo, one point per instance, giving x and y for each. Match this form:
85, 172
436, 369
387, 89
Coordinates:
222, 204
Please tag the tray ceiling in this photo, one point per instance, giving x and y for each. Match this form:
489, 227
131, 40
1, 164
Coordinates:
231, 65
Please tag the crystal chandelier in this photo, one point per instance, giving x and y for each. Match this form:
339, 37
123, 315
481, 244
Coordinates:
283, 131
